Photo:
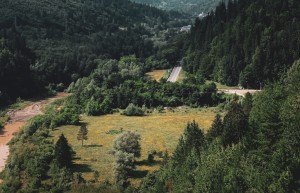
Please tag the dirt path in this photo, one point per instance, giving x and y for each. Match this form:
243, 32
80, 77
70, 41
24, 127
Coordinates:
18, 119
240, 92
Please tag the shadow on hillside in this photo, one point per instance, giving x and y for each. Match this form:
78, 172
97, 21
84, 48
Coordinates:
82, 168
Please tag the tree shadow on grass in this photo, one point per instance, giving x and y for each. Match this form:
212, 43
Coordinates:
92, 145
82, 168
138, 174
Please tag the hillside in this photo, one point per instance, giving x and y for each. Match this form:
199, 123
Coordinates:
249, 43
65, 37
194, 7
68, 35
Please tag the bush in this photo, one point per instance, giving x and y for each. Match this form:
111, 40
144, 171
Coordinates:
1, 126
133, 110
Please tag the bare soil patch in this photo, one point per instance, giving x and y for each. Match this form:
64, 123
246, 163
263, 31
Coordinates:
17, 120
240, 92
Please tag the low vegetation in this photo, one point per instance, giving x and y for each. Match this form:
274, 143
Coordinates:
133, 110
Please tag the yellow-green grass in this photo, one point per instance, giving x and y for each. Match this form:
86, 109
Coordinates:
159, 131
157, 74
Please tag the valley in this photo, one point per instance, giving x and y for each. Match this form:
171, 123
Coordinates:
149, 96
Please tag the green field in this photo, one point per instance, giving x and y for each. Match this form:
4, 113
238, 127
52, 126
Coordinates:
159, 131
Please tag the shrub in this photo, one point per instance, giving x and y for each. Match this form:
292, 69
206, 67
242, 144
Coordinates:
133, 110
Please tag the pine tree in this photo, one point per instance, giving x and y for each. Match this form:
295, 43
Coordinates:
235, 125
192, 139
247, 104
216, 128
82, 134
63, 152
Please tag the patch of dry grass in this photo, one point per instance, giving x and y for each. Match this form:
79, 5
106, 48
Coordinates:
159, 131
157, 74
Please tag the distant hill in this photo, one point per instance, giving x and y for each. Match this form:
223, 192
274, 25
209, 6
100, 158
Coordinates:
67, 35
189, 6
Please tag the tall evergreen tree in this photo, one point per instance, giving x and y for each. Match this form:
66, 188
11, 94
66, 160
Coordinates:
247, 104
235, 125
63, 152
216, 128
192, 139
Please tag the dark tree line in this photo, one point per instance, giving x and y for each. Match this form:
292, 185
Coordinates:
117, 84
16, 77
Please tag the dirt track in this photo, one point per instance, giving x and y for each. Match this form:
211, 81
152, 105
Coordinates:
18, 119
240, 92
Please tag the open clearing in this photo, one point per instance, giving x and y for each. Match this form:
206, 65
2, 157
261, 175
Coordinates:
159, 131
157, 74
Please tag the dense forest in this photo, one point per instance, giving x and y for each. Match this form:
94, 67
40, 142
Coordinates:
60, 40
246, 42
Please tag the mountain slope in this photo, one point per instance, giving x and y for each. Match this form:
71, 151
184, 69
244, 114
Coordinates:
246, 42
68, 35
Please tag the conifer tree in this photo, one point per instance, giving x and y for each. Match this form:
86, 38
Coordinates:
192, 139
247, 104
82, 134
216, 128
63, 152
235, 125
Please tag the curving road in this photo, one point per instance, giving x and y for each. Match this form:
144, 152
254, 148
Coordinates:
174, 74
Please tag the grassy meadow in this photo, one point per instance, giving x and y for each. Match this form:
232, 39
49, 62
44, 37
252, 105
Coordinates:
159, 131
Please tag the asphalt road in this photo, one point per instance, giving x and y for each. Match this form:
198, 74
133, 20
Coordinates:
174, 74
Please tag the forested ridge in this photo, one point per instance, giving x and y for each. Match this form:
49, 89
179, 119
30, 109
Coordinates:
245, 42
66, 37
